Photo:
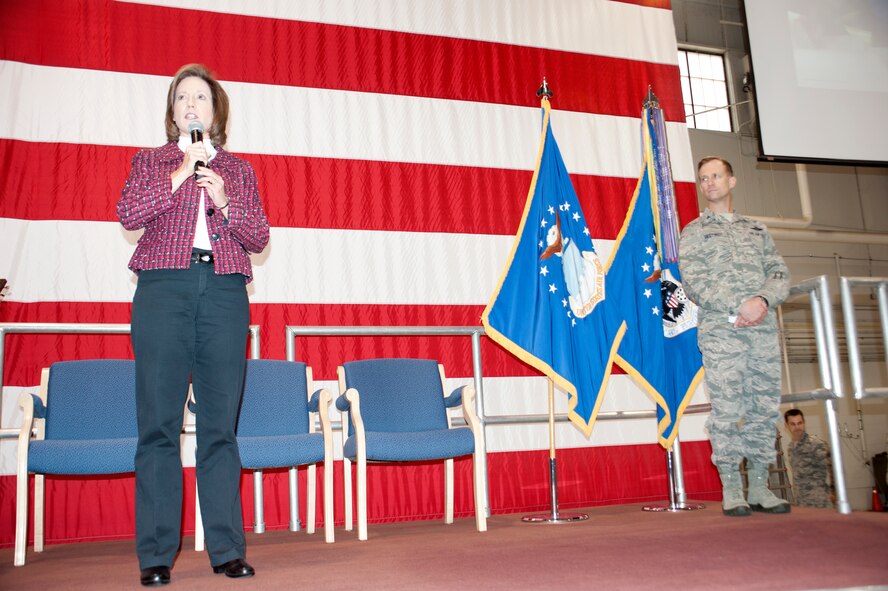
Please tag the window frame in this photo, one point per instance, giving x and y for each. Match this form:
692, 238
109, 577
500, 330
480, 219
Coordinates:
684, 48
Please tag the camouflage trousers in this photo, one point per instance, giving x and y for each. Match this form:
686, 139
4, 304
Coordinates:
811, 493
743, 379
810, 461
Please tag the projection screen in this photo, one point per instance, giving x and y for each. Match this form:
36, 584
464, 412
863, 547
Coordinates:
820, 73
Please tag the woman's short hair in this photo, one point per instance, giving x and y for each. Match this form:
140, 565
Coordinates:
218, 129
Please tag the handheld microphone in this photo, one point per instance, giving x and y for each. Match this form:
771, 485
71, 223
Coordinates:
196, 128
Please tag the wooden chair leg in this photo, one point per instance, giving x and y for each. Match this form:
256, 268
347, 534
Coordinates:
328, 500
349, 498
362, 499
478, 485
39, 508
21, 517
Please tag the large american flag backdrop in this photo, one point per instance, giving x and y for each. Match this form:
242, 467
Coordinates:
394, 143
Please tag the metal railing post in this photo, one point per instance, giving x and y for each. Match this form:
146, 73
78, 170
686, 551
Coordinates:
828, 362
479, 410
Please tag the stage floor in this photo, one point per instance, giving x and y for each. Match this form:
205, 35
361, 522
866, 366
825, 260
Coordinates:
618, 547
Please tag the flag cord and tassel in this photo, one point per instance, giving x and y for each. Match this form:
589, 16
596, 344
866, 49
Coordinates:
554, 516
666, 234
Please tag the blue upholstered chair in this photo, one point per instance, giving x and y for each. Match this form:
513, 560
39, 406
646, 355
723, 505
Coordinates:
396, 411
85, 415
276, 429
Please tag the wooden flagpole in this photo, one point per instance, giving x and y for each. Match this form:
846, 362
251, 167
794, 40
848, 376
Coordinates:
554, 516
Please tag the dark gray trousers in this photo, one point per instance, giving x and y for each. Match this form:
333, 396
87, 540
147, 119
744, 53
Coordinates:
188, 325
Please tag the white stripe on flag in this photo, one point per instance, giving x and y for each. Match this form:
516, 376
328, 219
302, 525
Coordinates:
89, 263
323, 123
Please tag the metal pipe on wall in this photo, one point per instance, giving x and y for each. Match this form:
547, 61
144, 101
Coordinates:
799, 230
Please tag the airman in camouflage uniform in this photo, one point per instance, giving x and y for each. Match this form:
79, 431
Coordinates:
810, 462
732, 270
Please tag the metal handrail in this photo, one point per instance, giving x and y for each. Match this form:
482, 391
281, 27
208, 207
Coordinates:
613, 415
880, 286
817, 290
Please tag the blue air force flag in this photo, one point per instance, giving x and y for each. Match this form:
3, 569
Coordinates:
550, 307
659, 349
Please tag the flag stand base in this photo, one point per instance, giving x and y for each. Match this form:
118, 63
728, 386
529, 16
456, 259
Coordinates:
554, 516
673, 506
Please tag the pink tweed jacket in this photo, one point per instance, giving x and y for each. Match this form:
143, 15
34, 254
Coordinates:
169, 218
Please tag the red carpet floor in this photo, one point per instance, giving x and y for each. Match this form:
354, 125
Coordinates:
618, 547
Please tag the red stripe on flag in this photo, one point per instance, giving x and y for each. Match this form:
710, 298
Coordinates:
405, 197
74, 33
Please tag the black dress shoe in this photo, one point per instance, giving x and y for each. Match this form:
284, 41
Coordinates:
235, 568
155, 575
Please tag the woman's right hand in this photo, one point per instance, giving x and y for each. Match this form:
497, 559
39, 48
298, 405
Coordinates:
196, 152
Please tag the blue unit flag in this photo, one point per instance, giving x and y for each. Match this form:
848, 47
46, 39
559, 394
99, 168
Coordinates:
659, 349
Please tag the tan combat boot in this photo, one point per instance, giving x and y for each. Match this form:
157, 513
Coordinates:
733, 503
760, 497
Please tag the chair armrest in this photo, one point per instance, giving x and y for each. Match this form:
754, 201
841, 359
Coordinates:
30, 405
314, 403
320, 403
342, 403
350, 402
455, 398
38, 408
468, 408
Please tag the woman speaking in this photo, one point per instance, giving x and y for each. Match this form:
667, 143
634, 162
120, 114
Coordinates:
201, 213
